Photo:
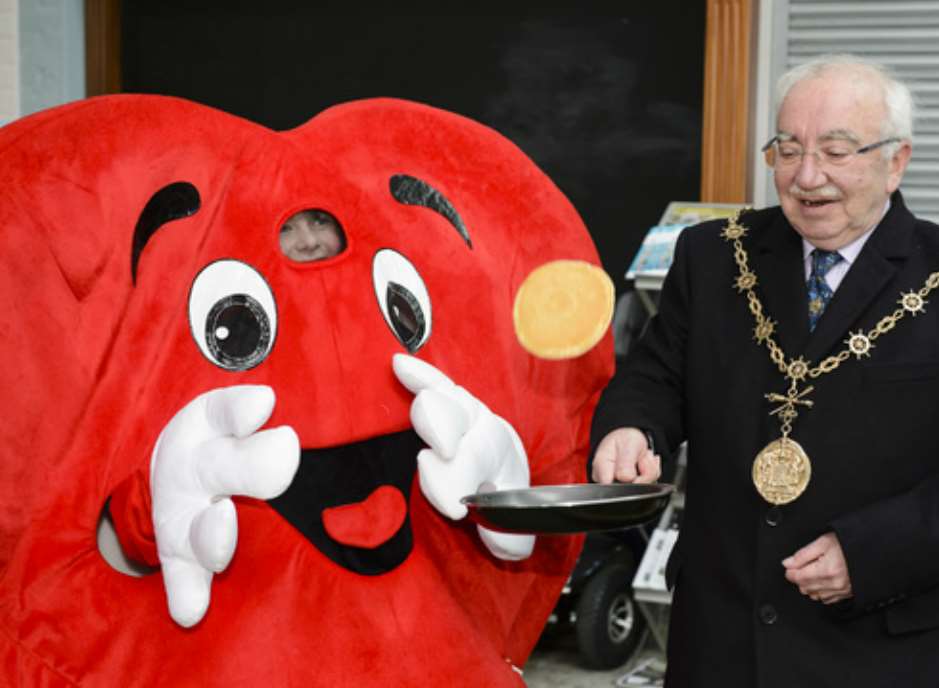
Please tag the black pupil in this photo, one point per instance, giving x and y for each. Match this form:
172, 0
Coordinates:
406, 316
237, 332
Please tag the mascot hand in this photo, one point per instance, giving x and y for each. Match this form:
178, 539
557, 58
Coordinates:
470, 449
209, 451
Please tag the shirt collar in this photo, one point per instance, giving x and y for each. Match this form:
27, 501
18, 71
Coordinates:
850, 252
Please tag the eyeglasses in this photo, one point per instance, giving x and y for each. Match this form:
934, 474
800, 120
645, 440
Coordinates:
788, 154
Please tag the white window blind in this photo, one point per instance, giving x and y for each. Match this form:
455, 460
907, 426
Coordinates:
905, 37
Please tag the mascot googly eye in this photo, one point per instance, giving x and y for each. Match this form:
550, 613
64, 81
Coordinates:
403, 298
232, 315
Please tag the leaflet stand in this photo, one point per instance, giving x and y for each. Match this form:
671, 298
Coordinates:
649, 588
654, 257
647, 271
651, 593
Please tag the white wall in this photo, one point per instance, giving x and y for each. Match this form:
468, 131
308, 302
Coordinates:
770, 57
9, 62
52, 53
42, 55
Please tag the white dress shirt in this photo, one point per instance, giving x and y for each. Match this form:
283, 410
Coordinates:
848, 253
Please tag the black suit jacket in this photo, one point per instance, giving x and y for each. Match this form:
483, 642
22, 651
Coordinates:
872, 437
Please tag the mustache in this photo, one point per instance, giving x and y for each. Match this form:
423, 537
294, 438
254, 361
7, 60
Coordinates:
824, 193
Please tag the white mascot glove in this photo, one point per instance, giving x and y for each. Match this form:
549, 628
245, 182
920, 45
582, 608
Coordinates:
469, 449
209, 451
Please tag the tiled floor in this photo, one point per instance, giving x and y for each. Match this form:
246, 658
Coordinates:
555, 663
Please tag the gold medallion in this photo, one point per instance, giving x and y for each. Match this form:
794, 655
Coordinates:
781, 471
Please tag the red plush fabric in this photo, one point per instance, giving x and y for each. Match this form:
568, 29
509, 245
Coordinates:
130, 510
95, 365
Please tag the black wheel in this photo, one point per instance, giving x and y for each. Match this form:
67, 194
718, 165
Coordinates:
609, 623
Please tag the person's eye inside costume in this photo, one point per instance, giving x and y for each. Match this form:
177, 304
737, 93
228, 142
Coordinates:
311, 235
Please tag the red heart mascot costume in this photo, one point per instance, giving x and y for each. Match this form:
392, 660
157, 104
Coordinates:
285, 442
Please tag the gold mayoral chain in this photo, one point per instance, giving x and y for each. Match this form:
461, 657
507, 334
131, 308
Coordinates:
781, 471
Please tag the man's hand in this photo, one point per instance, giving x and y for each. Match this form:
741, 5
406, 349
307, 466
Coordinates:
820, 570
624, 456
469, 449
210, 450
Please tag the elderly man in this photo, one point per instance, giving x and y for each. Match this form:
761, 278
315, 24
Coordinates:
796, 349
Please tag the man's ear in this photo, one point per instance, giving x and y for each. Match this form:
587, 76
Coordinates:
897, 166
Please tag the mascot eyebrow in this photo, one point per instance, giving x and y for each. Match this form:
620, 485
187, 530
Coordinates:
413, 191
172, 202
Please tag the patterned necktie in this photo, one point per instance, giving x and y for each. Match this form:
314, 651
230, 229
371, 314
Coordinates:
819, 291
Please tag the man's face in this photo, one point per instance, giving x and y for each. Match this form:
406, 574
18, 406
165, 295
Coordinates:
311, 235
830, 205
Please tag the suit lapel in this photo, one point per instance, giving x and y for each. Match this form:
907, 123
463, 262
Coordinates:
777, 262
875, 267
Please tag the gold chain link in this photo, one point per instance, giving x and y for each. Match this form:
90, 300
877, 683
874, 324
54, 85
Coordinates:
796, 369
734, 231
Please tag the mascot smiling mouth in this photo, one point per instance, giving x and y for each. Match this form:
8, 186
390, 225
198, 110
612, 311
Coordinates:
351, 501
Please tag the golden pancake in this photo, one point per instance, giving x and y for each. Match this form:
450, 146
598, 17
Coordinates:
563, 309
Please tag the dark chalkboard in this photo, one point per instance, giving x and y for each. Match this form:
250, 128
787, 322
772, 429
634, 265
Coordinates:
607, 102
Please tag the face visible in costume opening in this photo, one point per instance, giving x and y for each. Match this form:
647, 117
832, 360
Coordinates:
311, 235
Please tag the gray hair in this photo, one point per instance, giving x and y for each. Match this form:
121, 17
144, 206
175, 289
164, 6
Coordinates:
897, 97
